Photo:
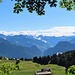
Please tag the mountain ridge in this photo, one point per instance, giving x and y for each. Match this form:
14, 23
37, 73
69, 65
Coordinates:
59, 44
26, 40
62, 46
12, 50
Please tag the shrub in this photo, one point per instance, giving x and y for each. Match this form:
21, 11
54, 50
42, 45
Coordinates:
70, 70
7, 68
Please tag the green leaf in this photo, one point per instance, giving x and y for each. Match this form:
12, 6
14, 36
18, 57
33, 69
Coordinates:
0, 0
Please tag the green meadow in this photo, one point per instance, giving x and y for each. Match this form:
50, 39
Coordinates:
28, 68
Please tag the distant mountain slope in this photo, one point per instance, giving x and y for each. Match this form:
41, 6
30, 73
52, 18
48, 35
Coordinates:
9, 49
52, 40
26, 40
72, 40
60, 47
42, 42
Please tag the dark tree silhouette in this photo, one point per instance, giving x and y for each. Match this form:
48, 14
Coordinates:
35, 59
39, 5
17, 62
33, 5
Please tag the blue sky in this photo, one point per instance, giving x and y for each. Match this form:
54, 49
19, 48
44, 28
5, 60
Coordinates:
25, 21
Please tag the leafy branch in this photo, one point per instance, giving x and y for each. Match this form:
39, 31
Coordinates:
33, 5
7, 68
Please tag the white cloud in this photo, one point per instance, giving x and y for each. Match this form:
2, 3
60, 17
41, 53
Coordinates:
59, 31
55, 31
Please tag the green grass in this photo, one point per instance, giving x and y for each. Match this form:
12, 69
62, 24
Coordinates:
28, 68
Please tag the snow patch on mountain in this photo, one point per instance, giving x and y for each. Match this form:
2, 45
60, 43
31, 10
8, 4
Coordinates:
40, 39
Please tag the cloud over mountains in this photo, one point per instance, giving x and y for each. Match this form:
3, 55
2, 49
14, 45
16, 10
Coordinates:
55, 31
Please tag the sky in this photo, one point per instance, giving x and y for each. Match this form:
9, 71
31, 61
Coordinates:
56, 21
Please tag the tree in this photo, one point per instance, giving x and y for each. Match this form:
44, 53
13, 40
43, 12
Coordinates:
35, 59
39, 5
71, 70
0, 0
33, 5
17, 62
7, 68
68, 4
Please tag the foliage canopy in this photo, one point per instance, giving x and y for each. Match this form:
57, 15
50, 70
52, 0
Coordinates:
7, 68
39, 5
0, 0
71, 70
68, 4
33, 5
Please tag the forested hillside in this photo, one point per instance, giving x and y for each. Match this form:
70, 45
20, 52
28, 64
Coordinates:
65, 59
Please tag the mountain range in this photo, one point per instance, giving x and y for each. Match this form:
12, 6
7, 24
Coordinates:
13, 50
28, 46
62, 46
27, 41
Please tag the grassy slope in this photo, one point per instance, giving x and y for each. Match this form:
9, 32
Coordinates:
28, 68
